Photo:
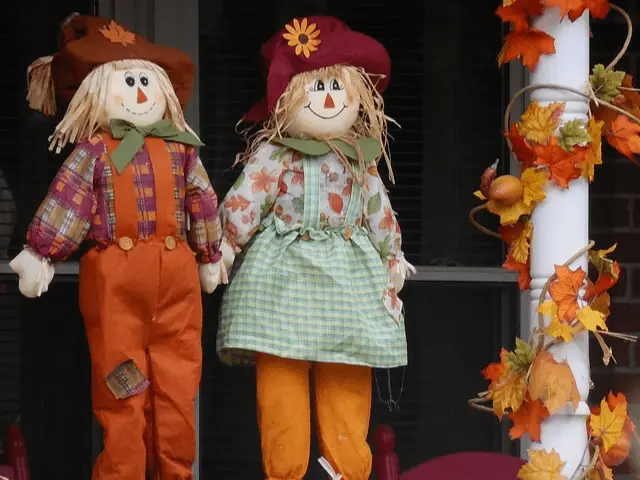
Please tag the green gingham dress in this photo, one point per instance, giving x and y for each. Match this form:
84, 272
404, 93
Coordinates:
303, 291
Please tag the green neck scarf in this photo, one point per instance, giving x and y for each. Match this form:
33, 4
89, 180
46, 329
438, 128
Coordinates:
369, 147
132, 138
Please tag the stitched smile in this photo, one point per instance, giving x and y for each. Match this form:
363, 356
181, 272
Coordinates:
323, 117
141, 113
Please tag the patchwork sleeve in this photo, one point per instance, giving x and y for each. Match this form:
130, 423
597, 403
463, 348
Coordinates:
64, 217
380, 220
252, 195
201, 202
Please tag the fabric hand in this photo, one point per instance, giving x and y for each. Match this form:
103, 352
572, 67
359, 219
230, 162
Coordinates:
228, 253
35, 274
212, 275
399, 271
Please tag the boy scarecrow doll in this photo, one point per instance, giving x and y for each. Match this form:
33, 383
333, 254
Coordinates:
128, 187
315, 289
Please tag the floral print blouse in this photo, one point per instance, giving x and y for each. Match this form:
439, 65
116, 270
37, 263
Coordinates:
273, 180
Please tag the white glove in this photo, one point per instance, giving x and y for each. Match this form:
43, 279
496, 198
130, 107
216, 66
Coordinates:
228, 254
212, 275
35, 273
400, 272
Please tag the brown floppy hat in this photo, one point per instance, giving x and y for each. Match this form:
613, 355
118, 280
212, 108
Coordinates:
87, 42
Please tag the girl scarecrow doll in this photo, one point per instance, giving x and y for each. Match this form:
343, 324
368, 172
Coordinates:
128, 187
315, 288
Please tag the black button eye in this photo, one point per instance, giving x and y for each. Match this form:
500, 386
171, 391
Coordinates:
129, 78
318, 86
335, 85
144, 80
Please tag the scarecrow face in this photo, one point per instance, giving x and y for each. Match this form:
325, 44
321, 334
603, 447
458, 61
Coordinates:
330, 108
135, 95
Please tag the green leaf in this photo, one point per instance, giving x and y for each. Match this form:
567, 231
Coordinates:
374, 204
239, 181
519, 361
298, 204
606, 83
266, 206
385, 247
277, 153
573, 133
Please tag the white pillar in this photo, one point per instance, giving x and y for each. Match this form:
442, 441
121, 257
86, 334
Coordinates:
561, 228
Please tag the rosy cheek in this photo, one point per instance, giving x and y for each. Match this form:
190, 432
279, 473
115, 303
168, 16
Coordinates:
159, 96
118, 100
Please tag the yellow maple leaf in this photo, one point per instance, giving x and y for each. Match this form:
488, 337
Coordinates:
479, 195
594, 153
539, 123
552, 382
558, 329
533, 183
542, 465
603, 264
509, 392
509, 214
506, 3
608, 424
519, 248
549, 308
592, 319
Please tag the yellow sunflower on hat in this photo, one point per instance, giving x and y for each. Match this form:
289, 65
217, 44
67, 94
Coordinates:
302, 36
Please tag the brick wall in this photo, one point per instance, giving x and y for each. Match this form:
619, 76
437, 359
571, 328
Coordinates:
615, 217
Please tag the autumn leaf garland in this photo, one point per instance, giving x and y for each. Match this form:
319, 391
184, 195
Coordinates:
528, 43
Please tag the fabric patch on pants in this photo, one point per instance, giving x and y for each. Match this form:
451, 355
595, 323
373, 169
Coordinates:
126, 380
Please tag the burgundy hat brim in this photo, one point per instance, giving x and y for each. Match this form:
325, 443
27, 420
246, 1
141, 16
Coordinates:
344, 47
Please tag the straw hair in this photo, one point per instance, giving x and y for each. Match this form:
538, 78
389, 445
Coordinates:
40, 91
87, 112
371, 121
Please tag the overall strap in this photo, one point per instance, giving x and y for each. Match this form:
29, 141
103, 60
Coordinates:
125, 194
164, 179
355, 202
311, 216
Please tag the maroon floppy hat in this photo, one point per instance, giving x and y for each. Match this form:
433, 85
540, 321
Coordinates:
312, 43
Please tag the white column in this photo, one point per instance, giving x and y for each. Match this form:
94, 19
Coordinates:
561, 228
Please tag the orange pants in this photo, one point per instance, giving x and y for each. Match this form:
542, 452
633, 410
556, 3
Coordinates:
141, 301
343, 406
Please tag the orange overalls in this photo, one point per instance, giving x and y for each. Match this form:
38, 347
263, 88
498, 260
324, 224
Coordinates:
140, 300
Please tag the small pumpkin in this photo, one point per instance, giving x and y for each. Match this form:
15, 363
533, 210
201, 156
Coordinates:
506, 190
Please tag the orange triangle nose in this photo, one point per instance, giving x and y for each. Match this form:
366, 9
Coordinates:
141, 96
328, 102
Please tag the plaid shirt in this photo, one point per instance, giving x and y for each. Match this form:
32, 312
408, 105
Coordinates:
81, 202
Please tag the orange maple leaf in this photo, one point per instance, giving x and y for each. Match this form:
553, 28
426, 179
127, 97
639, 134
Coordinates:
623, 136
566, 6
494, 371
524, 276
528, 44
597, 9
117, 34
517, 12
521, 149
527, 419
563, 166
564, 291
603, 283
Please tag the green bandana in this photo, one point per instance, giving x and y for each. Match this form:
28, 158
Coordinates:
370, 147
133, 138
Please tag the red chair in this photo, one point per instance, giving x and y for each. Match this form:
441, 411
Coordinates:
467, 466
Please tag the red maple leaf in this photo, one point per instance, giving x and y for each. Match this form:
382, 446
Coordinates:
597, 9
521, 149
528, 44
623, 136
563, 166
